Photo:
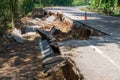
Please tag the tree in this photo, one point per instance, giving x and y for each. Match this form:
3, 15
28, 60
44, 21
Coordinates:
106, 6
27, 6
13, 9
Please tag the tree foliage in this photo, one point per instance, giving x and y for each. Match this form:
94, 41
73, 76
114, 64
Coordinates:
80, 2
106, 6
27, 6
7, 13
13, 9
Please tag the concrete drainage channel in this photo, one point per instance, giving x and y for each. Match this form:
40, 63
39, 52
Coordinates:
63, 29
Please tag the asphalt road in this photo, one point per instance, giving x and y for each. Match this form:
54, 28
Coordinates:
99, 57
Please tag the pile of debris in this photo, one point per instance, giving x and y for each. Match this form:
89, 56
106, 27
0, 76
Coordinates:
20, 55
19, 50
63, 27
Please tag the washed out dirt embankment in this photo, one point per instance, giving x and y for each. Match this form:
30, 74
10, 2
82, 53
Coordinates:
24, 60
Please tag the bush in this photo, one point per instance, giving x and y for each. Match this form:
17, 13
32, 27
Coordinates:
79, 3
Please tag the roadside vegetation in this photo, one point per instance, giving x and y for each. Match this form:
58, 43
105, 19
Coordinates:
109, 7
106, 7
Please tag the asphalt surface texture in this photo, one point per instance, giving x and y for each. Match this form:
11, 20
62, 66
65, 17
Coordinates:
99, 57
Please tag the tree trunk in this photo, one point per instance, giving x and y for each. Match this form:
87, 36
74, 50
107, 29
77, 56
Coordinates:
13, 20
12, 13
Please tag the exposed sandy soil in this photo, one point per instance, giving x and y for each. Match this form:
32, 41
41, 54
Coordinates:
23, 62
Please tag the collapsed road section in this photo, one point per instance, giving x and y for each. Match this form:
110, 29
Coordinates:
24, 59
60, 29
53, 61
57, 28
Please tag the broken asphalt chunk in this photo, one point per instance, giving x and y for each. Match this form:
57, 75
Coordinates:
18, 36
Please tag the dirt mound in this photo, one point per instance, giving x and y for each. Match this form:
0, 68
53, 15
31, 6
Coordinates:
75, 32
39, 13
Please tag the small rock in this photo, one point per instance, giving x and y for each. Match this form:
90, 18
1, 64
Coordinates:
23, 78
15, 61
31, 28
39, 13
33, 21
8, 47
50, 18
17, 36
29, 34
